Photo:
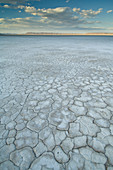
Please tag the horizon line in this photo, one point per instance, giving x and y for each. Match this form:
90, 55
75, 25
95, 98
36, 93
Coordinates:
46, 33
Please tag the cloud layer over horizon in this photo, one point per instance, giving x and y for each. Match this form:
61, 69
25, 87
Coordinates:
64, 19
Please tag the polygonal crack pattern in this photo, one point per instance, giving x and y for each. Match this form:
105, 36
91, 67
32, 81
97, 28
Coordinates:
56, 113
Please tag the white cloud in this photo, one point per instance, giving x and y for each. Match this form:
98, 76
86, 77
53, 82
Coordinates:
97, 22
64, 15
30, 9
61, 18
34, 13
77, 10
1, 20
67, 1
110, 28
15, 1
6, 6
93, 22
87, 13
21, 6
109, 11
31, 24
59, 15
12, 6
90, 13
14, 20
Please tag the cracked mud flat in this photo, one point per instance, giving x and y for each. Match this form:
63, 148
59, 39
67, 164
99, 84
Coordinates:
56, 103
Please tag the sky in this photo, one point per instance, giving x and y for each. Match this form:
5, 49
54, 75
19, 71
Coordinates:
56, 16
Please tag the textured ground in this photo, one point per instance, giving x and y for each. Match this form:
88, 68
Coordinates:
56, 104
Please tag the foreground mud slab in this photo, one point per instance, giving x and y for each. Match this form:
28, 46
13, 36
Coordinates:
56, 105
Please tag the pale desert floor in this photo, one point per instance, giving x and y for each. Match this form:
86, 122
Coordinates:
56, 104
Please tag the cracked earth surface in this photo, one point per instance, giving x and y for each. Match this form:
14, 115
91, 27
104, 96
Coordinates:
56, 104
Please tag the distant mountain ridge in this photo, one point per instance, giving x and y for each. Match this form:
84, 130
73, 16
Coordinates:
45, 33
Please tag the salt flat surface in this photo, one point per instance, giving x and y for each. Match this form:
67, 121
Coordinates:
56, 103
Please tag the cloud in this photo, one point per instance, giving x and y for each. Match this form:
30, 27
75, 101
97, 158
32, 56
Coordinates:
59, 15
29, 9
15, 1
63, 15
93, 22
22, 25
21, 6
77, 10
16, 25
61, 18
109, 11
6, 6
12, 6
32, 24
67, 1
1, 20
15, 20
12, 1
110, 28
87, 13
